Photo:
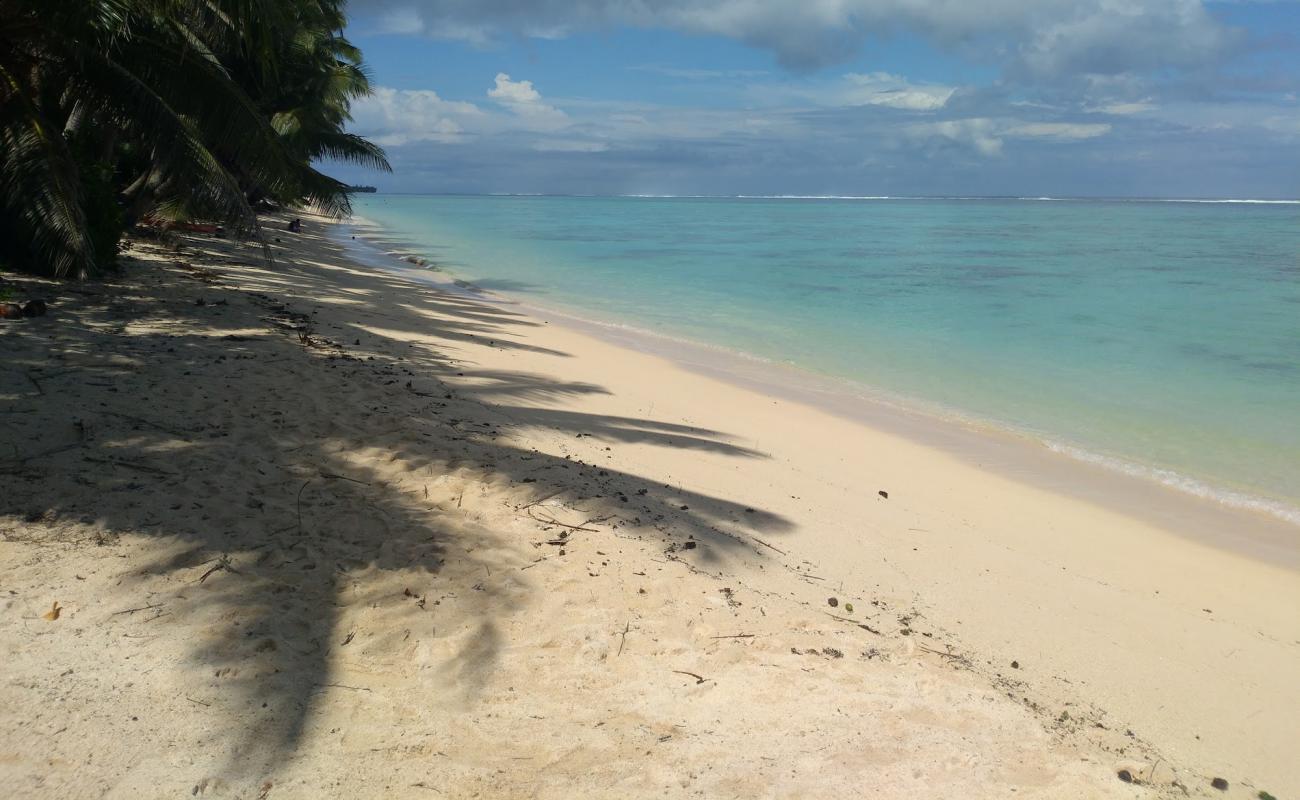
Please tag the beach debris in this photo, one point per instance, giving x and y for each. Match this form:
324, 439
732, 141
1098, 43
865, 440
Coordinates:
622, 641
688, 546
1126, 776
698, 678
848, 607
1220, 783
1263, 795
34, 308
146, 607
833, 602
53, 613
883, 494
1015, 665
223, 563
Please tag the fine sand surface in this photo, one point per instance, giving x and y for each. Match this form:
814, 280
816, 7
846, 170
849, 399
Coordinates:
314, 530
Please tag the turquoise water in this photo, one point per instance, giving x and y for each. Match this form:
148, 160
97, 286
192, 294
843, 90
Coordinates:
1157, 337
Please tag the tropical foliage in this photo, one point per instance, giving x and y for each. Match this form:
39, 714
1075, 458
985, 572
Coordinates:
114, 111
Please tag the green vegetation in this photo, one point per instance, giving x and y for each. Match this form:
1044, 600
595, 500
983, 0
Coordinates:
117, 111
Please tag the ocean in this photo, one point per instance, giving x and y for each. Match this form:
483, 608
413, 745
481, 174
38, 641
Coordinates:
1159, 338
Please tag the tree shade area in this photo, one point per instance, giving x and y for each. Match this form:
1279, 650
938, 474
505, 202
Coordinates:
117, 112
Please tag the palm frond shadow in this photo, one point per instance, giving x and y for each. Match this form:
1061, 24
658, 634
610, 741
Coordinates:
272, 526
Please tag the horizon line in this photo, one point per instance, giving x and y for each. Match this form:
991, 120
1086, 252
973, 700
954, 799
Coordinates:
1021, 198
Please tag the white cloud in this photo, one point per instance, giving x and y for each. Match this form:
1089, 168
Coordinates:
893, 91
514, 92
1124, 109
525, 101
977, 133
1060, 131
395, 117
985, 135
398, 116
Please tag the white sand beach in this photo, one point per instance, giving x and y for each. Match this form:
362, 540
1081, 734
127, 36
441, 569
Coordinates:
310, 529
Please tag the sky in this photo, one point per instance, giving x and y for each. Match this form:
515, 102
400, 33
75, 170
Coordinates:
1079, 98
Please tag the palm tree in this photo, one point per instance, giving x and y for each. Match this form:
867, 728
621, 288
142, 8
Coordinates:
111, 109
306, 86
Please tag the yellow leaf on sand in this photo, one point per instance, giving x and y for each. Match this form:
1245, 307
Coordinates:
53, 613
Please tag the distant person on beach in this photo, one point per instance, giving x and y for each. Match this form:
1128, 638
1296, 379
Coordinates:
295, 226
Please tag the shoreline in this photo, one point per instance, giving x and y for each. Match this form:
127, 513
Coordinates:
365, 532
1256, 525
937, 198
1023, 551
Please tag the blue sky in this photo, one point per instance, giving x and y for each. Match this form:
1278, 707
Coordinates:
1168, 98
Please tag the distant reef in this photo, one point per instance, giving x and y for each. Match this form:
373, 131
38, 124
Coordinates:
361, 190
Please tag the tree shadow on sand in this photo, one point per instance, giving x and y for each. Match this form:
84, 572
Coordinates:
277, 506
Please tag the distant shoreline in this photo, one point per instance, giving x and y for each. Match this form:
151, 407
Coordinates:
1265, 527
967, 198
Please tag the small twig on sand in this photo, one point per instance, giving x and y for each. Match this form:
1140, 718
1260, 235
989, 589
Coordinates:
735, 636
540, 500
151, 424
957, 656
133, 610
534, 563
698, 678
35, 382
343, 686
342, 478
770, 547
298, 502
222, 563
552, 521
200, 702
623, 640
44, 453
129, 465
864, 626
